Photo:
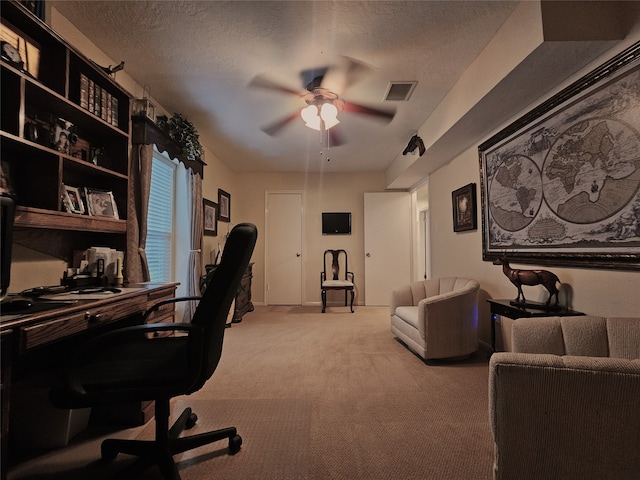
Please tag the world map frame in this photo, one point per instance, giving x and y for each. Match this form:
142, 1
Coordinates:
561, 185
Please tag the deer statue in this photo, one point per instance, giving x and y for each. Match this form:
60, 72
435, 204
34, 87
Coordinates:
545, 278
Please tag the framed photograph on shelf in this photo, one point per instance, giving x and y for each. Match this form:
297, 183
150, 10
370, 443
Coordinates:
224, 206
101, 203
561, 185
72, 200
465, 212
62, 136
210, 214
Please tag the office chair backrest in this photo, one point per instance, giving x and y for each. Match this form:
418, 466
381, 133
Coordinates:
214, 306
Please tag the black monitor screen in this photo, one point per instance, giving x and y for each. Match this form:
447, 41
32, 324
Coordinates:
336, 223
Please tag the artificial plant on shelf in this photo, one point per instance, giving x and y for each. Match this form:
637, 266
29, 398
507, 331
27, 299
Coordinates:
184, 133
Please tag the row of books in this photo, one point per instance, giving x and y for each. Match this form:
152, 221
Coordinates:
98, 101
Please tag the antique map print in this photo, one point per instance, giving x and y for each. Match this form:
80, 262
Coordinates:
570, 182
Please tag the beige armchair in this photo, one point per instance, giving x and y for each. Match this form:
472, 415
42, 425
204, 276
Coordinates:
437, 318
565, 404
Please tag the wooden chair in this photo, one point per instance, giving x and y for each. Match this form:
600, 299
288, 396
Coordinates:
334, 282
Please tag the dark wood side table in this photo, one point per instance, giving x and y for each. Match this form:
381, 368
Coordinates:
504, 308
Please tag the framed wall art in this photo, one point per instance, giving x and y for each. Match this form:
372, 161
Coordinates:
210, 214
465, 211
561, 185
224, 205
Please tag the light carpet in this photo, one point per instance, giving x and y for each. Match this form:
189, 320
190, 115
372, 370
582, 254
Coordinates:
317, 396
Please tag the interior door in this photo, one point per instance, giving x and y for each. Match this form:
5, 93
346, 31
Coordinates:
387, 244
283, 248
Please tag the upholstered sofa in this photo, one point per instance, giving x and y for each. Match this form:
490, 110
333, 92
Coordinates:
437, 318
565, 404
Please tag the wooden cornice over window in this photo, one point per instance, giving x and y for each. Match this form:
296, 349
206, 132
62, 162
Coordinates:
144, 131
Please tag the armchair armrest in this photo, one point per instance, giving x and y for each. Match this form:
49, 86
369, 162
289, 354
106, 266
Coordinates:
400, 296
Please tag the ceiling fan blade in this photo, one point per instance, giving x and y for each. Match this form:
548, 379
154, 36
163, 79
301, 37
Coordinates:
276, 127
385, 115
263, 82
335, 137
344, 74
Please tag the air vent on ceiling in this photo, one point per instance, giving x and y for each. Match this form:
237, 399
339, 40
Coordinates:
399, 91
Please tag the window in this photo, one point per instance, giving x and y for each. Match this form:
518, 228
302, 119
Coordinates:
160, 221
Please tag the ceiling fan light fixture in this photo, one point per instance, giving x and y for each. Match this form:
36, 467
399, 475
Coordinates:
327, 113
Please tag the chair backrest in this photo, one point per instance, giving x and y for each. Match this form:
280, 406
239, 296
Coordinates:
213, 308
334, 256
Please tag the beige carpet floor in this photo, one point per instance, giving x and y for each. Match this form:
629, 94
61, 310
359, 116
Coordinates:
317, 396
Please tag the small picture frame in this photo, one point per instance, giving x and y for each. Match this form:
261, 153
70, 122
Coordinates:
101, 203
224, 206
72, 200
63, 136
465, 215
210, 215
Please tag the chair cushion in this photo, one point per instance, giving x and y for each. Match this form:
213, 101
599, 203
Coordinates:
409, 314
337, 283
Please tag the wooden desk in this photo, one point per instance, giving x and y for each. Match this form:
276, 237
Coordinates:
28, 341
505, 309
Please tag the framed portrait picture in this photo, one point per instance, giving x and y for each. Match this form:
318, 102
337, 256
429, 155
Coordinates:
101, 203
72, 200
63, 136
465, 211
224, 206
210, 214
561, 185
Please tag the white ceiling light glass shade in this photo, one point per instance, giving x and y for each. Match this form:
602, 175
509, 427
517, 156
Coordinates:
328, 113
310, 117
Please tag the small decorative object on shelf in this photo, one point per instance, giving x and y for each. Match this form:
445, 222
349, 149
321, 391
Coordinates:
519, 278
143, 107
184, 133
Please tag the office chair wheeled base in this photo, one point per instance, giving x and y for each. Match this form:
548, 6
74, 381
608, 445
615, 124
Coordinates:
168, 443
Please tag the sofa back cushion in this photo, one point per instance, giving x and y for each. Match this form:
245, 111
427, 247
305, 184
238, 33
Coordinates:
437, 286
588, 336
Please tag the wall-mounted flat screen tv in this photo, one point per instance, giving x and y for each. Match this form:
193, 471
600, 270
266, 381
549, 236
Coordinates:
336, 223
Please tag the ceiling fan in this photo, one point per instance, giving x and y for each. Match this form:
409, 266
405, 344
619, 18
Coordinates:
321, 93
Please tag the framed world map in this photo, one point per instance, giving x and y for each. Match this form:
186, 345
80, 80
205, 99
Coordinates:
561, 185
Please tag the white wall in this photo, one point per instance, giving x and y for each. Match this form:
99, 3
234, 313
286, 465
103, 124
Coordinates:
338, 192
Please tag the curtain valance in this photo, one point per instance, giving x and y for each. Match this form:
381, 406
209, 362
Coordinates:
145, 132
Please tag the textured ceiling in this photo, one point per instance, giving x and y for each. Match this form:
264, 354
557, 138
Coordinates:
199, 57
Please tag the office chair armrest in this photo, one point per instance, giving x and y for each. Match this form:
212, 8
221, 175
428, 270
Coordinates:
119, 336
135, 332
156, 306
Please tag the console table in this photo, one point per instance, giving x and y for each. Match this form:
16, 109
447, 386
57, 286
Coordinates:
504, 308
34, 342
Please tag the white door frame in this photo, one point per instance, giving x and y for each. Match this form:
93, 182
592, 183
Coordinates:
267, 193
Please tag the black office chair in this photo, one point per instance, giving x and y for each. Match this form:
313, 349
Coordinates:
128, 364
